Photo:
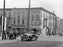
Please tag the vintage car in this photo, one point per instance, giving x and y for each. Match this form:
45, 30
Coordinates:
29, 36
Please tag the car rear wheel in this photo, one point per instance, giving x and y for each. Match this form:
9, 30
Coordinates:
35, 38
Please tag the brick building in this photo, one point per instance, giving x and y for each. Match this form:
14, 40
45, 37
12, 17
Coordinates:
39, 18
58, 27
49, 21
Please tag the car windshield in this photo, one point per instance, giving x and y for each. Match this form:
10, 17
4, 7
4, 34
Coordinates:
28, 33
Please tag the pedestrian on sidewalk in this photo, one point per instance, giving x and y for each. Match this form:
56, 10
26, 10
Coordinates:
7, 35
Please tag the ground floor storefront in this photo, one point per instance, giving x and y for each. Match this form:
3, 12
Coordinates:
22, 29
14, 31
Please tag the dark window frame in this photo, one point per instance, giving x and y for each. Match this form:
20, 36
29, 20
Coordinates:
14, 20
22, 21
18, 19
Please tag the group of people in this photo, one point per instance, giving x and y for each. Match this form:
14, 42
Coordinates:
13, 34
10, 34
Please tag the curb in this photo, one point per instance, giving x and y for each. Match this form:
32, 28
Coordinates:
7, 41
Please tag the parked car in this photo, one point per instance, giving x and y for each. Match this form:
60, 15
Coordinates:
29, 36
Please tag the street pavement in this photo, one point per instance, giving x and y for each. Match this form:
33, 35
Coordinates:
6, 41
33, 44
41, 38
43, 41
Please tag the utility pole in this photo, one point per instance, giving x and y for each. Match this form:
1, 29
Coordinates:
28, 16
3, 32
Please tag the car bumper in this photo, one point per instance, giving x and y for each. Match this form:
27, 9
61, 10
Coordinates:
26, 38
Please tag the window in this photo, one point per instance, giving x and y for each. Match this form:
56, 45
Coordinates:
18, 19
9, 16
44, 21
1, 19
5, 14
38, 20
23, 12
22, 21
32, 19
14, 20
22, 16
18, 12
14, 13
41, 14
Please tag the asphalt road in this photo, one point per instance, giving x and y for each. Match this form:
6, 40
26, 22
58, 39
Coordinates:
32, 44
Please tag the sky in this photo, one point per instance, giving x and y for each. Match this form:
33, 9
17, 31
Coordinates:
50, 5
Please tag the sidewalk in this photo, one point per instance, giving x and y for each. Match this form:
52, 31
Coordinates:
51, 38
6, 41
0, 38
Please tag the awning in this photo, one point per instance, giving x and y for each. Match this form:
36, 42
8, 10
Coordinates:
17, 26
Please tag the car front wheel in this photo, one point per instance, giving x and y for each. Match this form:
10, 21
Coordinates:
21, 39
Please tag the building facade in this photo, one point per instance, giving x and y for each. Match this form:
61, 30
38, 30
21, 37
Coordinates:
58, 25
48, 22
61, 25
39, 19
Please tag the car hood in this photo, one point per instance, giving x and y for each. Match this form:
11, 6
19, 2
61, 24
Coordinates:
29, 34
